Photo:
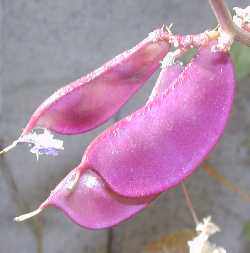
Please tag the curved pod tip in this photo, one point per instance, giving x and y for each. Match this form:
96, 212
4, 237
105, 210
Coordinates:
28, 215
89, 203
8, 148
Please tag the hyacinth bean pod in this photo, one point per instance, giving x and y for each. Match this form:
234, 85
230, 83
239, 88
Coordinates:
91, 203
161, 144
91, 100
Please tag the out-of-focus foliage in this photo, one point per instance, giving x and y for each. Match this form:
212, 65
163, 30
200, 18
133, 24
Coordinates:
188, 55
215, 174
172, 243
241, 58
245, 233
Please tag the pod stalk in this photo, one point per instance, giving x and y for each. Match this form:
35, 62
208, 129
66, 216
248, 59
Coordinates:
28, 215
189, 204
8, 148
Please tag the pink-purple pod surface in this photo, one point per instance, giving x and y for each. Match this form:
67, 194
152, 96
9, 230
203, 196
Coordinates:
161, 144
91, 100
91, 203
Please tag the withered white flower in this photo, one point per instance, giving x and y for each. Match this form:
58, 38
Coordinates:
243, 13
242, 16
42, 143
201, 244
225, 41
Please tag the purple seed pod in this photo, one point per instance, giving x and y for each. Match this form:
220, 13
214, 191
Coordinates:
91, 100
161, 144
153, 149
87, 200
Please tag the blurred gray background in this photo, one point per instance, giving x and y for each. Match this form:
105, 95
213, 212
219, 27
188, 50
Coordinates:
46, 44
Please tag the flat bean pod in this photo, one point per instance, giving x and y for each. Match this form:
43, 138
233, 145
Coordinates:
91, 100
161, 144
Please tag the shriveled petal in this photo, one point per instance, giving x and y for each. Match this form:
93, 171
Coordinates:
201, 243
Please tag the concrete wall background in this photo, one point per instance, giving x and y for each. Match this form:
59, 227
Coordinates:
44, 45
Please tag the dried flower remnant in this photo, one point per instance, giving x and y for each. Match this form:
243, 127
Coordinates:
225, 41
201, 243
242, 16
42, 143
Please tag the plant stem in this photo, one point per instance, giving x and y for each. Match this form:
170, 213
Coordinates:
189, 204
225, 20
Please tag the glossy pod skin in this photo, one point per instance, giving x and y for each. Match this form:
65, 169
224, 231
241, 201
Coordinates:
91, 100
161, 144
92, 204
